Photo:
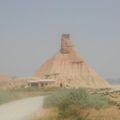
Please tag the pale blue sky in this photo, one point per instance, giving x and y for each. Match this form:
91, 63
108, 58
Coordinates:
30, 32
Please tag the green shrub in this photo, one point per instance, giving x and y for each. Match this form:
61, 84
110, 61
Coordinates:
71, 101
81, 97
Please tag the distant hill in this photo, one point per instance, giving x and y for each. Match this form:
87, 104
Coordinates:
114, 81
4, 79
7, 81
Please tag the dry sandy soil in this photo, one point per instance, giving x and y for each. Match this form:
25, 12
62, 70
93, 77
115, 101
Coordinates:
21, 109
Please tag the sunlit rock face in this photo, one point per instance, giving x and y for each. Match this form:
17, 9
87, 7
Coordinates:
69, 69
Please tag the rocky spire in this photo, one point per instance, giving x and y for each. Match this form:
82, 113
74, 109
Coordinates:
66, 44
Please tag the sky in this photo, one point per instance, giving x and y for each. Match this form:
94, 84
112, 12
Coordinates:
30, 33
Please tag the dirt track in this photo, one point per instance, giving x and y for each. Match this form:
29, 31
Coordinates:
21, 109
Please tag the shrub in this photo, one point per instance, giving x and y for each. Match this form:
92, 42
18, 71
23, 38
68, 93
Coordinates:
71, 101
81, 97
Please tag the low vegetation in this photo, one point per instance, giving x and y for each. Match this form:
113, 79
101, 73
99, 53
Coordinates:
7, 95
81, 97
67, 104
70, 104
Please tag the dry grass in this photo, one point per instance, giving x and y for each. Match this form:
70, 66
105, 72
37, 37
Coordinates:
46, 114
111, 113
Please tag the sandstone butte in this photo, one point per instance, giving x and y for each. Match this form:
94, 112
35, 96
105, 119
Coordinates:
69, 69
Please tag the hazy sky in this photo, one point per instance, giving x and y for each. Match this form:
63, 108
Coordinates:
30, 32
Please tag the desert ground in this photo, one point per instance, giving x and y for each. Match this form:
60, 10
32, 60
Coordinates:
21, 109
32, 106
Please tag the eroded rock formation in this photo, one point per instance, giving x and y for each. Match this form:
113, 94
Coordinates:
69, 69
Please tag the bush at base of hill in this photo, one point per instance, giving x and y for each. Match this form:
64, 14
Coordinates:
70, 102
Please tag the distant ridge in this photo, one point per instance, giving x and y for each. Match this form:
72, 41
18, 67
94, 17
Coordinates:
4, 79
114, 80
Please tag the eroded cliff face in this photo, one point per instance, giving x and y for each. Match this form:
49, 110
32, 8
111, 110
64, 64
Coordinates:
68, 68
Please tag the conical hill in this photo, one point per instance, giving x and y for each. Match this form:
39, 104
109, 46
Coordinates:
68, 68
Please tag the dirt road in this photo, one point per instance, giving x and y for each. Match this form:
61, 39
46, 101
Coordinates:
21, 109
